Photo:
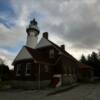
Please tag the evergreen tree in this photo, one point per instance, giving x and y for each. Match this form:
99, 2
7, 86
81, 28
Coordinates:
83, 59
93, 60
4, 72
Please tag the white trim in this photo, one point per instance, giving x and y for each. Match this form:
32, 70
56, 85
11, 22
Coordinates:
59, 76
28, 67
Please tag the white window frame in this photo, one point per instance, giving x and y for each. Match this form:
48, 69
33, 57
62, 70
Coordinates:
51, 53
18, 68
28, 68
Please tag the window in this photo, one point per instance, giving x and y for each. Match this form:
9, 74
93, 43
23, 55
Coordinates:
51, 53
73, 70
28, 69
46, 68
18, 70
70, 70
60, 53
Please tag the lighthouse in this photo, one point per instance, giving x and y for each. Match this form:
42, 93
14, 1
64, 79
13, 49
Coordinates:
32, 34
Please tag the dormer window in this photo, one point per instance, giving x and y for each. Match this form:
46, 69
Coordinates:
60, 53
51, 53
28, 69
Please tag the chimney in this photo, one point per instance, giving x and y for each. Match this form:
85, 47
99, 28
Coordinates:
45, 35
63, 47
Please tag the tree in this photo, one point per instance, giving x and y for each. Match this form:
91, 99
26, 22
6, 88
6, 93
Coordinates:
83, 59
96, 63
4, 71
93, 60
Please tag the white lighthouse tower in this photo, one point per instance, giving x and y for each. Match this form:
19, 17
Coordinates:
32, 34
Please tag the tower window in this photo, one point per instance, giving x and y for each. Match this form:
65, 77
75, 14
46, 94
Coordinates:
51, 53
18, 70
28, 69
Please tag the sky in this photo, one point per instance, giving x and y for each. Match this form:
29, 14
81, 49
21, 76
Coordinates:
75, 23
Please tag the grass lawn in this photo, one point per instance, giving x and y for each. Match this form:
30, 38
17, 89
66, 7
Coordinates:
4, 85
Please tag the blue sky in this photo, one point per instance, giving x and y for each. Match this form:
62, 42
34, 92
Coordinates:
7, 13
74, 23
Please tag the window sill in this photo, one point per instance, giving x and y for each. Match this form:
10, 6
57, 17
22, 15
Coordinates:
18, 75
27, 74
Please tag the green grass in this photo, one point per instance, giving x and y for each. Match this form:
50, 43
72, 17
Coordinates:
4, 84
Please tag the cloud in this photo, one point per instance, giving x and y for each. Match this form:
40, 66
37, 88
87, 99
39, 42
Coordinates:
11, 41
7, 14
7, 57
74, 23
11, 37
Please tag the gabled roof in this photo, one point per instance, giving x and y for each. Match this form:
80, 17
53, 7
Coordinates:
70, 57
39, 56
43, 43
23, 54
46, 43
84, 66
65, 53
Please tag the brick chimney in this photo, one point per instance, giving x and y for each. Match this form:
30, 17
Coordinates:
63, 47
45, 35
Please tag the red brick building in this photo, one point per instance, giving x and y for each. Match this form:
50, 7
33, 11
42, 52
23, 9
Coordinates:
39, 62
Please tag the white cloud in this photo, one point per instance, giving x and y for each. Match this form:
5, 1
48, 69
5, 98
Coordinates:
72, 22
7, 57
10, 37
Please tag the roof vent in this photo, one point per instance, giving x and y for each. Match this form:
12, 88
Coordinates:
45, 35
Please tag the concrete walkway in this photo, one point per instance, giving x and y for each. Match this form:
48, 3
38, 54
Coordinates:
82, 92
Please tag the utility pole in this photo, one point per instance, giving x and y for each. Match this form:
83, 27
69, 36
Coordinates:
39, 70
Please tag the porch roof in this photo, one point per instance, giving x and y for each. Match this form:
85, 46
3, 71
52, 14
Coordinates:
84, 66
